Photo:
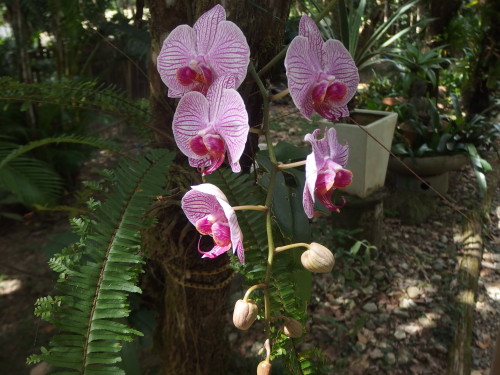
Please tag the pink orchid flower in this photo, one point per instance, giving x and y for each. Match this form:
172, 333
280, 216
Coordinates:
325, 171
206, 127
322, 76
191, 59
207, 208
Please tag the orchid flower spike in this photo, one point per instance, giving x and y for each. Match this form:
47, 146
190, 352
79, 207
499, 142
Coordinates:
325, 171
208, 209
191, 59
206, 127
322, 76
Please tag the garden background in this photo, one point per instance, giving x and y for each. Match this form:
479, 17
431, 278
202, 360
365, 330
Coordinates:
80, 94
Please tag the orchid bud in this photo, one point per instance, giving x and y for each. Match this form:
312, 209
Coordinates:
264, 368
245, 313
317, 259
292, 328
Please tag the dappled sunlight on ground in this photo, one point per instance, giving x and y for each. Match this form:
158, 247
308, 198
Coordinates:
10, 286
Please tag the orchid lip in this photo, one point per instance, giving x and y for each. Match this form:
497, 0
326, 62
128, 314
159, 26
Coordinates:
327, 202
216, 162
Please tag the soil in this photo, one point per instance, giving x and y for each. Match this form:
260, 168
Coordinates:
389, 312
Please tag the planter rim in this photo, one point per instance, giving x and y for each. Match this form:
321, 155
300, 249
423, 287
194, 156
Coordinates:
429, 165
384, 116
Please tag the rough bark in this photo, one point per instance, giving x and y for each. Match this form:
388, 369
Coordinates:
461, 352
190, 295
192, 292
460, 355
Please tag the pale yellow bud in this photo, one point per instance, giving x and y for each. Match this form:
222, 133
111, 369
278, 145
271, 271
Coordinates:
317, 259
245, 313
292, 328
264, 368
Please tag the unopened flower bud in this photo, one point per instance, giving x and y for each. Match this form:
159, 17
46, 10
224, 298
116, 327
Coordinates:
264, 368
292, 328
245, 313
317, 259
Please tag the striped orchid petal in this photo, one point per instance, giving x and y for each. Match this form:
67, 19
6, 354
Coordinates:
322, 76
208, 209
325, 170
191, 59
206, 128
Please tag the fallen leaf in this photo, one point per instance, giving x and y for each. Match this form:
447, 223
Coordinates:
485, 344
362, 339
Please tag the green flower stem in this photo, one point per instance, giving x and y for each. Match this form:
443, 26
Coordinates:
276, 59
291, 246
269, 196
270, 248
265, 111
279, 95
291, 165
281, 54
251, 289
255, 131
250, 207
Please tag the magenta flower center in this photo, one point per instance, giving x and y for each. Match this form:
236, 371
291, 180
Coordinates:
336, 91
328, 90
197, 74
217, 228
209, 144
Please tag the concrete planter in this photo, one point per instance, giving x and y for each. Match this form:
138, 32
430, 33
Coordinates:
433, 169
367, 159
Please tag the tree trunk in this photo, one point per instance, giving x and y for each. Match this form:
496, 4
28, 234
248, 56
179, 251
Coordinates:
443, 11
485, 71
192, 292
16, 15
460, 352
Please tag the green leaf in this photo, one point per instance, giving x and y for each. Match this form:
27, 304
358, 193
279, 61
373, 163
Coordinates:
286, 152
281, 205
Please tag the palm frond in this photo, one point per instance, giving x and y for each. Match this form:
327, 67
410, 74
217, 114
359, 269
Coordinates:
30, 180
93, 293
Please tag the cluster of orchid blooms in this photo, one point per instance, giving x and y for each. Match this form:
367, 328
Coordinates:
204, 65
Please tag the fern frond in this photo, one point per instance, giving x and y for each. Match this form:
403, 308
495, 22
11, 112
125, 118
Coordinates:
88, 95
95, 290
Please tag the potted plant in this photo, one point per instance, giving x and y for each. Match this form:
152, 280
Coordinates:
370, 133
447, 143
432, 137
